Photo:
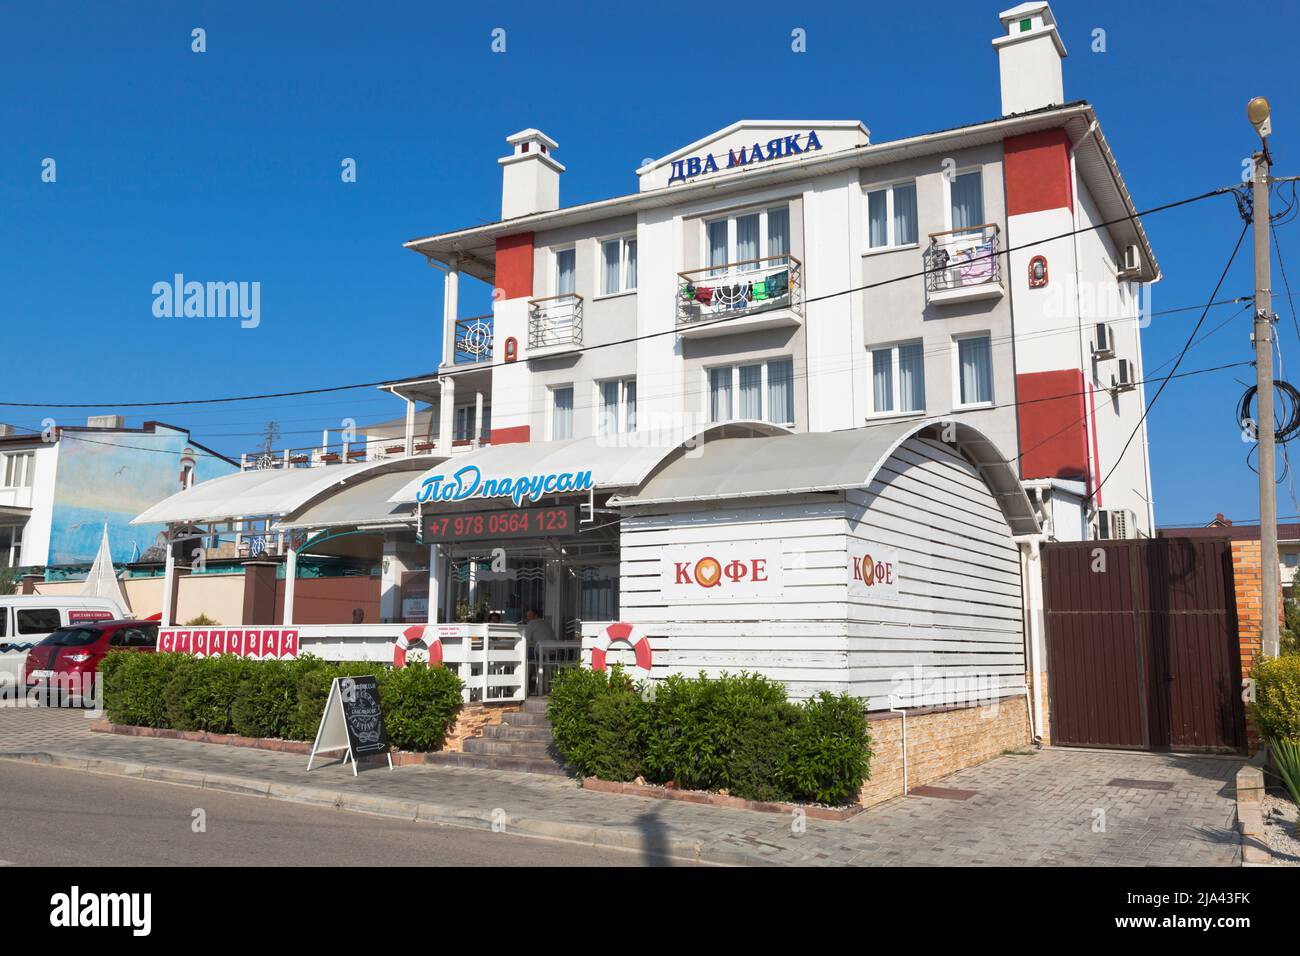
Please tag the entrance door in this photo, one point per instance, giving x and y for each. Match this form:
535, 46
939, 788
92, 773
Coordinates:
1142, 644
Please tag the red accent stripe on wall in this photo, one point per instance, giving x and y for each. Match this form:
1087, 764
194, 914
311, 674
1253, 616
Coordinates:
1037, 170
511, 436
1053, 424
515, 265
1096, 451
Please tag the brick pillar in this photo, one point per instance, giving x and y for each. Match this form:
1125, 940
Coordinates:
29, 583
1247, 585
259, 592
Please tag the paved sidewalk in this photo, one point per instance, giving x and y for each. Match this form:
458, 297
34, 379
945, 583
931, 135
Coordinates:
1055, 807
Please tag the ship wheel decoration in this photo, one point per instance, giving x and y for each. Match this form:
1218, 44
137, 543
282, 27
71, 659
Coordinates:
477, 339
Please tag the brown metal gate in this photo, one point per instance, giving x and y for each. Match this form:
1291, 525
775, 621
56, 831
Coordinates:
1142, 644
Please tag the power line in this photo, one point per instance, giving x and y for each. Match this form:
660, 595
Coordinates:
1186, 346
625, 341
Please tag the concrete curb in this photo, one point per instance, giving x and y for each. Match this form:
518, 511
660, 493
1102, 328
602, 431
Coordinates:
1250, 814
593, 835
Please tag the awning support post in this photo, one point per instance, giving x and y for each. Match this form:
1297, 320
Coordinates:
290, 580
169, 579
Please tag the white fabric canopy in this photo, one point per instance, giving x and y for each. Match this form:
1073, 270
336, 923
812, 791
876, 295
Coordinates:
623, 460
271, 491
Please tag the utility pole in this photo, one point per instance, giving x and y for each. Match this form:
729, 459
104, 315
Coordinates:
1257, 111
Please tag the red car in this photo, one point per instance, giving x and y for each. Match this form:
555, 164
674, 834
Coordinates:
69, 658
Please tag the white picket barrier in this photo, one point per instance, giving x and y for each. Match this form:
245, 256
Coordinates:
492, 659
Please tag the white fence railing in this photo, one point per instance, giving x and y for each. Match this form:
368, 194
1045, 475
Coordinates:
492, 659
549, 658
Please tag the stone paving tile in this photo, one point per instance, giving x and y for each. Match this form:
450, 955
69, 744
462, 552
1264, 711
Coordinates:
1048, 809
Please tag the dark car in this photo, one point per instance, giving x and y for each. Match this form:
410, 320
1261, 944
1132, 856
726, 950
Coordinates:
69, 658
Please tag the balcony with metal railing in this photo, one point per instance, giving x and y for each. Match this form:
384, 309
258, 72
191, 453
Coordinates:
554, 325
963, 265
741, 296
473, 340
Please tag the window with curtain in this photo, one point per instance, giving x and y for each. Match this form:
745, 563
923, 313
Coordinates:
882, 380
975, 369
717, 234
565, 279
763, 391
967, 192
778, 232
898, 378
751, 391
562, 413
617, 266
720, 394
607, 419
747, 233
780, 391
629, 398
891, 216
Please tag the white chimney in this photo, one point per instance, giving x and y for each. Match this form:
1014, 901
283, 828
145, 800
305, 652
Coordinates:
1029, 59
530, 176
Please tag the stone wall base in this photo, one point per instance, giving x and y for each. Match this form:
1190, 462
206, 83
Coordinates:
471, 721
940, 741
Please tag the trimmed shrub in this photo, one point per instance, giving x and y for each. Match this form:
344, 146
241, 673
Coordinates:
831, 749
282, 699
420, 705
736, 733
1276, 709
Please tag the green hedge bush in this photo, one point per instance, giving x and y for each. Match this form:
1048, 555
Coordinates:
1277, 697
737, 733
282, 699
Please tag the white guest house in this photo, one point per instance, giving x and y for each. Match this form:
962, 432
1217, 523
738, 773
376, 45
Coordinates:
800, 403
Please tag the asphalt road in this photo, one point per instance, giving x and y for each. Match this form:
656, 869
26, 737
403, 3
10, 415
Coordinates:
55, 817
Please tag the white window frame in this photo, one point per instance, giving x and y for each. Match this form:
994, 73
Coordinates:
623, 287
15, 549
28, 468
598, 405
555, 268
895, 380
550, 410
892, 243
764, 410
957, 403
947, 194
730, 219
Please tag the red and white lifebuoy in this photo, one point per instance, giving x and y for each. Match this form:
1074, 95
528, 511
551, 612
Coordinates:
622, 632
414, 635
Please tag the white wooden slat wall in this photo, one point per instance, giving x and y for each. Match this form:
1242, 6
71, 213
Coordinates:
799, 639
955, 634
956, 625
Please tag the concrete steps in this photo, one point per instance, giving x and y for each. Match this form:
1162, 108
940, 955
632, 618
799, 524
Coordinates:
522, 741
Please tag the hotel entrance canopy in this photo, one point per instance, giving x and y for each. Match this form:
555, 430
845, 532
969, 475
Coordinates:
622, 460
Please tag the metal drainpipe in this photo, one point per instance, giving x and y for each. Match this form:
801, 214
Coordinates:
903, 711
1033, 543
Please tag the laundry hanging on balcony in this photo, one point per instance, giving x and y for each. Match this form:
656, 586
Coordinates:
975, 264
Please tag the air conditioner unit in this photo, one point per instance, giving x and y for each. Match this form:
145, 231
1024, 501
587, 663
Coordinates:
1122, 380
1116, 524
1104, 346
1132, 260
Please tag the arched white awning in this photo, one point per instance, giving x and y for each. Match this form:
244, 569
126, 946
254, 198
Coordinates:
825, 461
621, 461
270, 491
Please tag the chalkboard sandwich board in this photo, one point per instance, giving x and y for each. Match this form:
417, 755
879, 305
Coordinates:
353, 721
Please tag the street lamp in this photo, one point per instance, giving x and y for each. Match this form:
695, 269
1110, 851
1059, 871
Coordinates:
1260, 116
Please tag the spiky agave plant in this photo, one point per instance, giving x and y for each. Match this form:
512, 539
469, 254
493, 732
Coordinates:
1285, 753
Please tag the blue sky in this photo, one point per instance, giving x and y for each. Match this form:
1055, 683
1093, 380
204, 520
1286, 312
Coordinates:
225, 165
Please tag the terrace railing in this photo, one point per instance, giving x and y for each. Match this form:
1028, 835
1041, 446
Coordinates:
740, 288
962, 260
555, 322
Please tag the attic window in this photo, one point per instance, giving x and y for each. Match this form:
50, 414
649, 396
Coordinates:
1026, 25
525, 149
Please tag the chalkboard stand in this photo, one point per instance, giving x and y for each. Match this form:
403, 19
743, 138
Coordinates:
335, 733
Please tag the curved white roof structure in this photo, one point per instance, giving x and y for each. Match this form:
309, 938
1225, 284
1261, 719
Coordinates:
623, 460
271, 491
824, 461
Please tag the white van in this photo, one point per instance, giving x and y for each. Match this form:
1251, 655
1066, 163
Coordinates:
27, 619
